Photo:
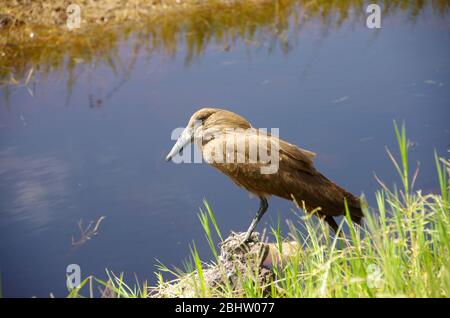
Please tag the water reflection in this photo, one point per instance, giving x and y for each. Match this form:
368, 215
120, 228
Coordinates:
37, 184
213, 23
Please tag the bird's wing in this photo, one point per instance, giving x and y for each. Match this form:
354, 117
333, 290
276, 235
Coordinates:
288, 154
295, 174
301, 158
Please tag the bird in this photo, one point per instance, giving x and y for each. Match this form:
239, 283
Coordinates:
217, 132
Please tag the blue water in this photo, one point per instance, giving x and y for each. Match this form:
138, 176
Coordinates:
66, 156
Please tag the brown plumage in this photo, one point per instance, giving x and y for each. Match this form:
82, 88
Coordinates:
225, 135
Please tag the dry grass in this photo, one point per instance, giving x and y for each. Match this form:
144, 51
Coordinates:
99, 12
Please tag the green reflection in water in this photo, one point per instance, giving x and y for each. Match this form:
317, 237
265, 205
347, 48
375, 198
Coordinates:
213, 22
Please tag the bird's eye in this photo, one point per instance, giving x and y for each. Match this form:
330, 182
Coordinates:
204, 117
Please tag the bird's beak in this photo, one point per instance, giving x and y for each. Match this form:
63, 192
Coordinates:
185, 138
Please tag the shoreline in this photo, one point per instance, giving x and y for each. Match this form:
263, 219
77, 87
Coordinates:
60, 14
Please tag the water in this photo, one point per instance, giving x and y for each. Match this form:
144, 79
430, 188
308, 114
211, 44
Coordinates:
96, 147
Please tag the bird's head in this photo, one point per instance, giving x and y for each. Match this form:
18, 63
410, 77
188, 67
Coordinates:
204, 123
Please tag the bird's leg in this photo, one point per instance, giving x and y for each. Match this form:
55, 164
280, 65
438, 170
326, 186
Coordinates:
332, 223
263, 205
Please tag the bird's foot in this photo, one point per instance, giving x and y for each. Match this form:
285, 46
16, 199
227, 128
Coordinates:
242, 241
246, 239
249, 239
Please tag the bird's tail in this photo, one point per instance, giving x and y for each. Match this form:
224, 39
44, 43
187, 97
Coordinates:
356, 215
334, 199
354, 205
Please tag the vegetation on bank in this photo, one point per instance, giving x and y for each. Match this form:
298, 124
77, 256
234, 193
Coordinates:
403, 250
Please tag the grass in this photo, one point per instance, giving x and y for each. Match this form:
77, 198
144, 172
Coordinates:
403, 250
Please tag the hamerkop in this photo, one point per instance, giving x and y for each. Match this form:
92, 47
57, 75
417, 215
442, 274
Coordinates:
225, 140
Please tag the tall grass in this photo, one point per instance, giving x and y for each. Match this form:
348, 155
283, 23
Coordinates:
402, 250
